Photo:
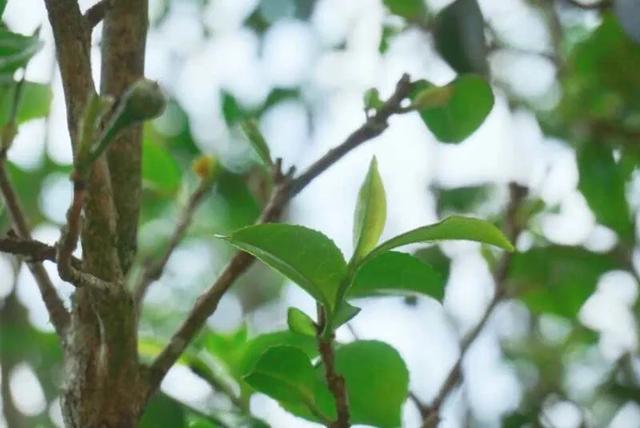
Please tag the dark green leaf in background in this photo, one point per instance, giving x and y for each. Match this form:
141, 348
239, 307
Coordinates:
602, 184
558, 279
15, 50
462, 200
459, 36
603, 79
434, 257
413, 10
160, 171
34, 103
469, 100
163, 411
259, 144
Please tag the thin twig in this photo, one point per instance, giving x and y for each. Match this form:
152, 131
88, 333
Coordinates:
374, 126
96, 13
285, 188
71, 233
153, 269
219, 385
57, 312
512, 229
32, 250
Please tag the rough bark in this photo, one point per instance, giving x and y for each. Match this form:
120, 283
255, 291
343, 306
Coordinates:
123, 47
104, 385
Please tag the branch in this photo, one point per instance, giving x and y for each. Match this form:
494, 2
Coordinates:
285, 188
96, 13
221, 386
123, 51
72, 50
32, 250
153, 270
72, 41
513, 228
69, 241
335, 381
374, 126
57, 312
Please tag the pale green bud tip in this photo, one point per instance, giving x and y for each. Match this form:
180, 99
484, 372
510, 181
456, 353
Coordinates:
145, 100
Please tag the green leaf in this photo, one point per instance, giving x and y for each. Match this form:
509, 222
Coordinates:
372, 99
160, 171
388, 33
285, 373
300, 323
459, 33
603, 186
231, 109
433, 96
452, 228
258, 345
395, 273
558, 279
377, 382
434, 257
163, 411
462, 199
343, 314
16, 50
456, 116
303, 255
234, 206
409, 9
370, 214
3, 5
259, 144
34, 101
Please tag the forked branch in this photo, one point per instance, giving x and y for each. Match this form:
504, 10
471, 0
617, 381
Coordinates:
513, 227
285, 188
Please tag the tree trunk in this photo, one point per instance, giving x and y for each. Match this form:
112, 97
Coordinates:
105, 386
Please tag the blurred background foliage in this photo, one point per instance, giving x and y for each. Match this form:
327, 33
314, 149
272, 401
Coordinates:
562, 351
